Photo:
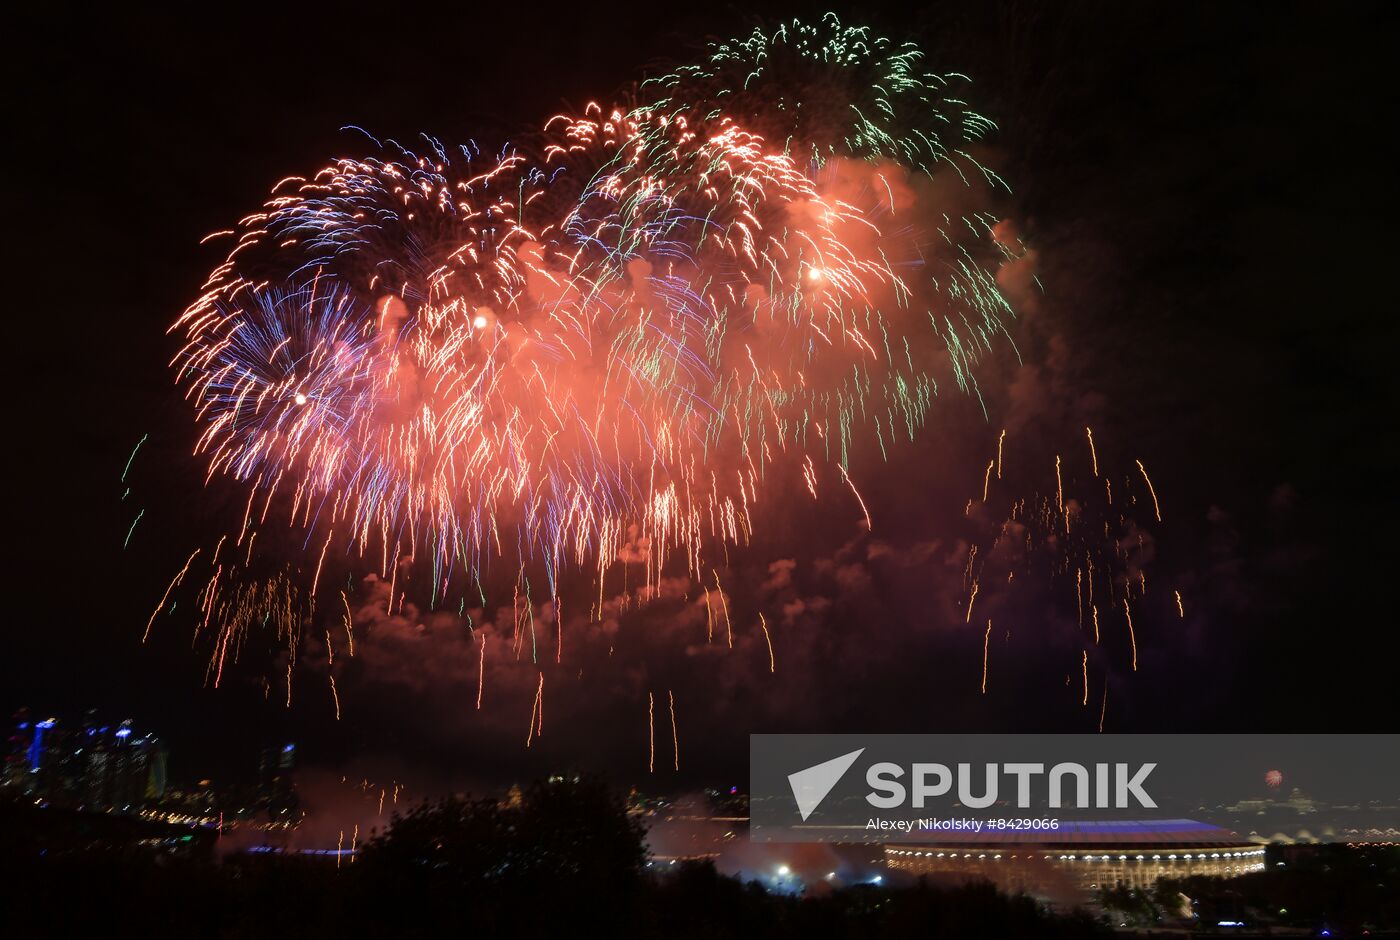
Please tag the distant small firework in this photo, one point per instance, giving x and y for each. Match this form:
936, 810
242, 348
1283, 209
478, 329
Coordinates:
1081, 547
1274, 779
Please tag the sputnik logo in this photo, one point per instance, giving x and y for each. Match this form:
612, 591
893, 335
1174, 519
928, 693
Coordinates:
810, 786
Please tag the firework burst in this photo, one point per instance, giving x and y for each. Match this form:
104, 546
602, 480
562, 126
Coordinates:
596, 346
423, 350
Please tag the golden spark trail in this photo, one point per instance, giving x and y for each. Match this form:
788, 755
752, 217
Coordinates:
675, 736
1059, 487
1079, 594
1000, 440
772, 663
724, 604
1180, 610
869, 527
709, 617
336, 696
970, 600
349, 626
539, 696
651, 734
987, 480
180, 576
536, 714
1157, 509
1084, 664
481, 672
317, 579
1132, 635
986, 646
1093, 454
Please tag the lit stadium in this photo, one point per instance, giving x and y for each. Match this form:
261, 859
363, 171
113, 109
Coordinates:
1086, 857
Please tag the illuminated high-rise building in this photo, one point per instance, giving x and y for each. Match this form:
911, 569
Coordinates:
94, 766
277, 782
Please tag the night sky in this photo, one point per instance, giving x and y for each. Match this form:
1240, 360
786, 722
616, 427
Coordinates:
1204, 193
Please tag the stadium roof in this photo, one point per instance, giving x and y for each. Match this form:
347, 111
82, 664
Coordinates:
1081, 834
